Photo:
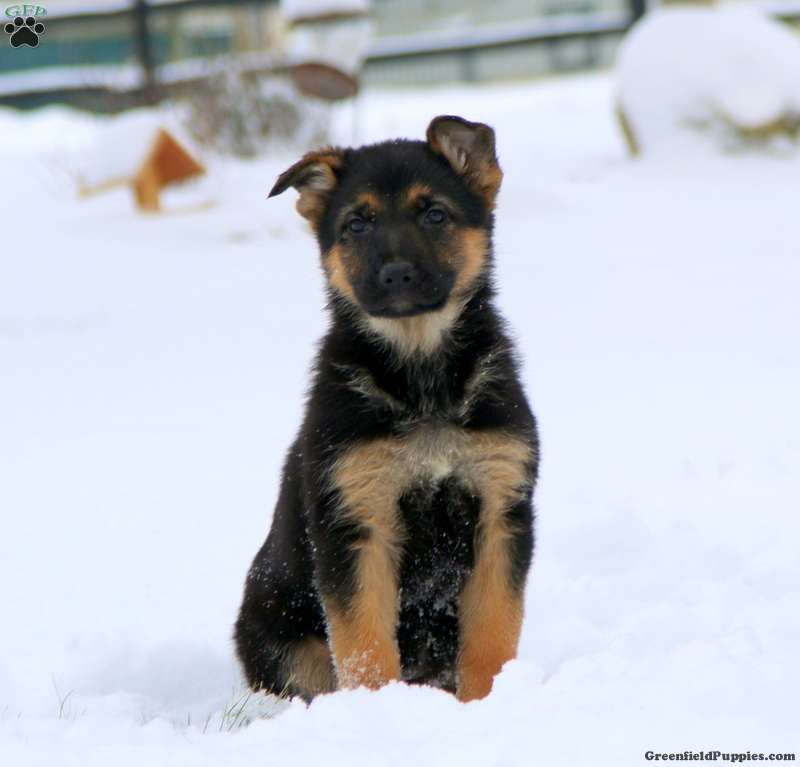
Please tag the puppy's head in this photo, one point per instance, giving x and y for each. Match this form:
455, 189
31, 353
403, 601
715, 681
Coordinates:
403, 226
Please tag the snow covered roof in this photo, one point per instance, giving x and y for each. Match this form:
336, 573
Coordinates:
71, 77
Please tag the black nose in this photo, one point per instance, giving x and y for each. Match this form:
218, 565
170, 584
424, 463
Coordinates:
397, 275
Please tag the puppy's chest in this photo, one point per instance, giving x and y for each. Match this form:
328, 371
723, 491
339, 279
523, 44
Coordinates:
372, 475
429, 453
415, 400
423, 494
436, 510
438, 518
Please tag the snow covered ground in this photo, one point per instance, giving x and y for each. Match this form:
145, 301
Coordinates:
152, 371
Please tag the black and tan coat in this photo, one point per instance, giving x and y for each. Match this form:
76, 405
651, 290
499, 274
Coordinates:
403, 533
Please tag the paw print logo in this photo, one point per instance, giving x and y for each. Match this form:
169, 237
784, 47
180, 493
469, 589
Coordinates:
24, 31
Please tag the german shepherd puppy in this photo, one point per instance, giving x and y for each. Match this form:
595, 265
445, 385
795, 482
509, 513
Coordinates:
403, 533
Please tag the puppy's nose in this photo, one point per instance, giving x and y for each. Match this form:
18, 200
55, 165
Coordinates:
397, 276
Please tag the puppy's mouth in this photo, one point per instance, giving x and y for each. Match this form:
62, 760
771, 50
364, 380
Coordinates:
405, 308
398, 301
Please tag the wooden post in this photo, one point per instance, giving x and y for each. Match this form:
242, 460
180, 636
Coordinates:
638, 9
144, 51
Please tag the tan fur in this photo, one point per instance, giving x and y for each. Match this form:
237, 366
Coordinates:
472, 253
363, 636
415, 193
490, 611
371, 478
490, 615
489, 181
369, 200
309, 667
318, 181
361, 475
338, 274
420, 334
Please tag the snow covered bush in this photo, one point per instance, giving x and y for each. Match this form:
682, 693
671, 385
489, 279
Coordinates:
240, 114
729, 71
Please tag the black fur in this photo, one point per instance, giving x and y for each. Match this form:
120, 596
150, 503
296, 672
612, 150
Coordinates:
308, 554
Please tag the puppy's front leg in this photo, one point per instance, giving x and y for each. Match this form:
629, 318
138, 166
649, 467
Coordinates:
363, 627
363, 612
490, 615
491, 605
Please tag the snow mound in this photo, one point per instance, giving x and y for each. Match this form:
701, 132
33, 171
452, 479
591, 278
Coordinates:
722, 71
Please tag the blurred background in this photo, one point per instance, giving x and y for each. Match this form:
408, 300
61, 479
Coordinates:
250, 71
107, 55
227, 61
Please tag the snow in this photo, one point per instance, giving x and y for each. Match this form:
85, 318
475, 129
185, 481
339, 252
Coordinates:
153, 371
684, 68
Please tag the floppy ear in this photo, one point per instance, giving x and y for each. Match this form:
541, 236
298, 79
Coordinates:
315, 177
470, 150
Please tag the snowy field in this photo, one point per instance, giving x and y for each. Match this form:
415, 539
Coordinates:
152, 371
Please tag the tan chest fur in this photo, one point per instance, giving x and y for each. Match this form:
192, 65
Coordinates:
371, 476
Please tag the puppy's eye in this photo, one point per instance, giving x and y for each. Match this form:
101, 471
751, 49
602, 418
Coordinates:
435, 216
356, 225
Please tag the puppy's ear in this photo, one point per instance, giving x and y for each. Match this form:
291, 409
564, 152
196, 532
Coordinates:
315, 176
470, 150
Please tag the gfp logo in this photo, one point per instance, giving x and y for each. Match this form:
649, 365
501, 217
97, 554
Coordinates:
24, 29
25, 10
